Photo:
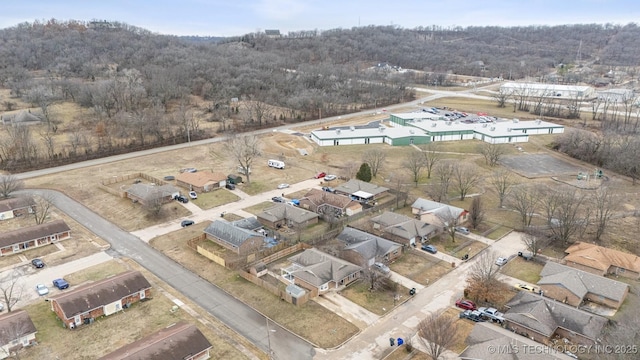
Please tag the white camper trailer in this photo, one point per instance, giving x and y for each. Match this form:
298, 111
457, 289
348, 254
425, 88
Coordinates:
276, 164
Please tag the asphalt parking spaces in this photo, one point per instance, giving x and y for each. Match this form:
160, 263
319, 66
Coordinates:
539, 165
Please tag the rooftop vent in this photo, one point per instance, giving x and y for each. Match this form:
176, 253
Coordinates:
485, 125
337, 131
493, 128
434, 124
538, 121
516, 121
352, 128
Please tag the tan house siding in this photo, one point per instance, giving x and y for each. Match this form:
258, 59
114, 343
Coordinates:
585, 268
606, 301
528, 333
574, 337
561, 294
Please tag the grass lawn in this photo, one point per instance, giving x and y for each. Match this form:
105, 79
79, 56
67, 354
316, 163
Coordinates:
463, 329
215, 198
524, 270
400, 353
258, 208
378, 302
420, 268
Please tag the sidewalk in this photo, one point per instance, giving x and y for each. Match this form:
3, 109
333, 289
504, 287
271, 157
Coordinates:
347, 309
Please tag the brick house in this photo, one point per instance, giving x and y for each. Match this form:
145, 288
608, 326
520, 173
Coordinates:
437, 213
237, 239
201, 181
319, 272
16, 331
602, 261
146, 193
365, 249
326, 203
101, 298
10, 208
177, 341
403, 229
287, 215
15, 241
361, 190
573, 286
545, 320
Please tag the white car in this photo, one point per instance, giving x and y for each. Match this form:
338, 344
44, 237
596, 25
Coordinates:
283, 186
501, 261
330, 177
42, 289
193, 195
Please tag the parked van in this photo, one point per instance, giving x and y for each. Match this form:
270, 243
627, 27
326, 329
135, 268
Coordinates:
276, 164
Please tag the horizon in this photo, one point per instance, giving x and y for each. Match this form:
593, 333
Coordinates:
215, 18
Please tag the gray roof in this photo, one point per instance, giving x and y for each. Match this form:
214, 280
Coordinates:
248, 224
428, 206
319, 197
92, 296
176, 341
225, 231
403, 226
318, 268
581, 282
367, 245
149, 192
16, 203
545, 316
34, 232
484, 338
288, 212
14, 325
354, 185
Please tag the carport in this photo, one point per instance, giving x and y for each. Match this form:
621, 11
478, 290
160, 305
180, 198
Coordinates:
361, 196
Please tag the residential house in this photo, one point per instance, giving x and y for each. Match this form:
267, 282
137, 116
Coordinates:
545, 320
101, 298
403, 229
485, 338
16, 331
250, 223
319, 272
201, 181
361, 190
25, 238
602, 261
437, 213
179, 341
330, 204
281, 215
573, 286
365, 249
10, 208
239, 240
149, 194
273, 34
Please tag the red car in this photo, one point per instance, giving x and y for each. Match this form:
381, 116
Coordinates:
466, 304
321, 175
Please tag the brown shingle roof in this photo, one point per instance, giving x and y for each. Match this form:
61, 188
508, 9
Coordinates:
33, 232
15, 325
598, 257
319, 197
100, 293
177, 341
318, 268
15, 203
200, 178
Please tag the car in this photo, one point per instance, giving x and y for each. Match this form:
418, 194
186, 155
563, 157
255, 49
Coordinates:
60, 284
472, 315
193, 195
429, 248
466, 304
328, 189
330, 178
183, 199
37, 263
186, 223
283, 186
230, 186
381, 267
169, 178
525, 287
462, 230
321, 175
190, 170
501, 261
42, 289
492, 313
525, 255
278, 199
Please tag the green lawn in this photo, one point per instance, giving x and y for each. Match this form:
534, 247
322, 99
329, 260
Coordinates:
524, 270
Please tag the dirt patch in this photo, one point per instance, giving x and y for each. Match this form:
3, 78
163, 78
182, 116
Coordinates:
420, 268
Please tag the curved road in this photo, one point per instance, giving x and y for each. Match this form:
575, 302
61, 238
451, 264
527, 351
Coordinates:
235, 314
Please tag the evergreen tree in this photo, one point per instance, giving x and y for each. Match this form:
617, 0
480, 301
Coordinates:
364, 173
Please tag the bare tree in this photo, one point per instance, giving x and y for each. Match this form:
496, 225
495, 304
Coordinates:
605, 202
502, 182
438, 333
431, 157
439, 189
42, 208
244, 149
483, 269
535, 240
348, 170
465, 177
491, 152
476, 212
414, 164
10, 184
501, 97
566, 214
11, 288
377, 280
524, 200
375, 158
449, 219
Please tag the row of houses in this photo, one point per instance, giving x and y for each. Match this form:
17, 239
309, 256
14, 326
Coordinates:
85, 304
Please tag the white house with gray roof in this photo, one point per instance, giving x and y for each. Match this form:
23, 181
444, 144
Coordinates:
366, 249
239, 240
436, 213
573, 286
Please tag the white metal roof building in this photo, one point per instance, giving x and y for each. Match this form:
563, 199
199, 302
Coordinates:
549, 90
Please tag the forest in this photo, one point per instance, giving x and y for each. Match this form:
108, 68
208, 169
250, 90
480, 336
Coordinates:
139, 89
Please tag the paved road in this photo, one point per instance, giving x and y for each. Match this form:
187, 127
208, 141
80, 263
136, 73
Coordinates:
227, 309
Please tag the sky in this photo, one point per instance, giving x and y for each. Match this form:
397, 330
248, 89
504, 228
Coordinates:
238, 17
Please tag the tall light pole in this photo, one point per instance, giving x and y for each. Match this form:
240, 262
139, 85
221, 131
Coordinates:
271, 353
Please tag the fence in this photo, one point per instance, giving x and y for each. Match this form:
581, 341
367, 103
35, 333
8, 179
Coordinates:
274, 289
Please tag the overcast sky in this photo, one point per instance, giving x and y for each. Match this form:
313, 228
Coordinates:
237, 17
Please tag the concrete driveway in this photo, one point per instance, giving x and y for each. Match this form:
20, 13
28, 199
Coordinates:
347, 309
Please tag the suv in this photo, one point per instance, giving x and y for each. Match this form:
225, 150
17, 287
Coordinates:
429, 248
193, 195
182, 199
473, 315
186, 223
60, 284
230, 186
462, 230
37, 263
381, 267
278, 199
